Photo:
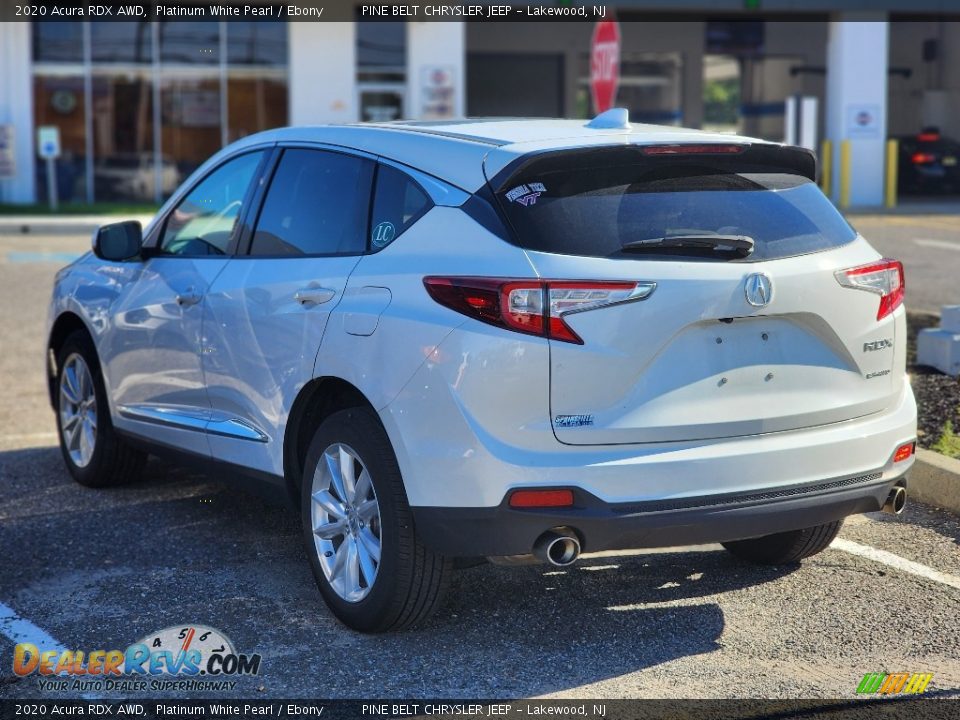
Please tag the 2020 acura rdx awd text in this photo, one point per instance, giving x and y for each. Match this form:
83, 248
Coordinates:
497, 338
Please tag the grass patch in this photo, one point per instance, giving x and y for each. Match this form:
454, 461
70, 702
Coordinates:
102, 208
949, 442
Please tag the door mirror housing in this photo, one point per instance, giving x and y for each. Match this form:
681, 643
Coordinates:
118, 241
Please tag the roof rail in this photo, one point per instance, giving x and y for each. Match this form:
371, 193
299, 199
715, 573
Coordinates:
612, 119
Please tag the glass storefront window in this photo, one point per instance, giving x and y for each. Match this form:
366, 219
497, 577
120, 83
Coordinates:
142, 153
58, 100
255, 103
121, 42
190, 43
57, 42
123, 138
651, 87
190, 121
257, 43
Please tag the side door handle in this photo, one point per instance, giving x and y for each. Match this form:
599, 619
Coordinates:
188, 297
310, 296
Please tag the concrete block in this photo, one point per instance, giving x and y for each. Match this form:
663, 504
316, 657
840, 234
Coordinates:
950, 318
935, 480
940, 349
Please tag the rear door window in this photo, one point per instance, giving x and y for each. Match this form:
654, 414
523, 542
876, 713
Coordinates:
598, 210
317, 204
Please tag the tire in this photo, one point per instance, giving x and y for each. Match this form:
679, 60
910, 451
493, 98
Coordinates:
788, 547
111, 461
409, 579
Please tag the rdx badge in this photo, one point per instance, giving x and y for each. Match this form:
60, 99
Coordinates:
877, 345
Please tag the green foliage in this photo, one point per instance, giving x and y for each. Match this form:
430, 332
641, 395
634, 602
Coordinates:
721, 101
949, 442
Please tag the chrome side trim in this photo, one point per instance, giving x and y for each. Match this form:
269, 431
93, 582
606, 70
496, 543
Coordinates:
236, 428
197, 421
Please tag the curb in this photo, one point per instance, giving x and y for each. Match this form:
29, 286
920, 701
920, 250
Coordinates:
935, 480
63, 225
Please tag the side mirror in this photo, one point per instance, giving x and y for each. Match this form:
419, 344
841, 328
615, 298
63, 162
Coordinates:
118, 241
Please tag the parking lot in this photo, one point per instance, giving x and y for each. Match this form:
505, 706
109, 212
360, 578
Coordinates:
100, 569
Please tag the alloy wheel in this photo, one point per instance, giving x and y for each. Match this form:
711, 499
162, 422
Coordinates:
346, 522
78, 410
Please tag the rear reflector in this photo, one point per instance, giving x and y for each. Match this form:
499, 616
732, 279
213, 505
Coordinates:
922, 158
904, 451
928, 136
885, 278
693, 149
533, 307
541, 498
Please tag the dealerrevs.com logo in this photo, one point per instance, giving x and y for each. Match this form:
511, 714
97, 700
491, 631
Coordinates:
902, 683
181, 657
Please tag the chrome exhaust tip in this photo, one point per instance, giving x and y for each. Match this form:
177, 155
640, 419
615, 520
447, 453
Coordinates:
896, 501
560, 547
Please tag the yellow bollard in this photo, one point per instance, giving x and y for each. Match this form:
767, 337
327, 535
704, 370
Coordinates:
845, 157
826, 166
893, 156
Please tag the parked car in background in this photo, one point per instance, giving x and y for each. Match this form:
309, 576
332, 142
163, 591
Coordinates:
513, 339
929, 164
133, 176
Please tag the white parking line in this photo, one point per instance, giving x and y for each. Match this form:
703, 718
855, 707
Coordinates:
895, 561
21, 437
15, 628
942, 244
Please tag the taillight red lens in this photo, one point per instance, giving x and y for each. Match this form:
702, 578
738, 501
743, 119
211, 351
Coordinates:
904, 451
541, 498
534, 307
922, 158
693, 149
885, 278
928, 137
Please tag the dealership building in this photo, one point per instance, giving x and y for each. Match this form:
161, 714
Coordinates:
139, 105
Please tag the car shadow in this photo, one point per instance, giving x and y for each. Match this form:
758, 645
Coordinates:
178, 547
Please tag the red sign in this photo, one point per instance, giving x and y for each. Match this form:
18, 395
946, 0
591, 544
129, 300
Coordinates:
605, 64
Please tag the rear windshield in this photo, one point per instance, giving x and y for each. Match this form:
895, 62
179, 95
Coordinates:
596, 211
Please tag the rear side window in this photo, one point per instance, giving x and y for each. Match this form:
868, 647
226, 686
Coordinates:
398, 203
596, 211
317, 204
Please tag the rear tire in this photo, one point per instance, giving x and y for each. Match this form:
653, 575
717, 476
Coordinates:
787, 547
408, 579
93, 453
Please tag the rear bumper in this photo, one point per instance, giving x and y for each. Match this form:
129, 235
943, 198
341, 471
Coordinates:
502, 530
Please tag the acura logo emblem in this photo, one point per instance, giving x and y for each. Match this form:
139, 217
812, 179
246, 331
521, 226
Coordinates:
758, 289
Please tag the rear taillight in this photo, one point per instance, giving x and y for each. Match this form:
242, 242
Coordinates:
534, 307
922, 158
885, 278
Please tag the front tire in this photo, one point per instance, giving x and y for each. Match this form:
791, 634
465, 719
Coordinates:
94, 455
372, 569
787, 547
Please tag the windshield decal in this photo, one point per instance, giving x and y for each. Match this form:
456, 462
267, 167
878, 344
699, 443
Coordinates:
526, 194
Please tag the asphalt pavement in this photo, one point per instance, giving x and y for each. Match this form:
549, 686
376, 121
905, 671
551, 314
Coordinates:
99, 569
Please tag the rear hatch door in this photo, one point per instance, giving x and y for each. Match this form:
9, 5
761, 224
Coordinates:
730, 342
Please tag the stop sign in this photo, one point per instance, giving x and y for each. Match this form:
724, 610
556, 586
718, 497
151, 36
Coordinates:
604, 64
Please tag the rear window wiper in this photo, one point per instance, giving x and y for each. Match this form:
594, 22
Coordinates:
739, 245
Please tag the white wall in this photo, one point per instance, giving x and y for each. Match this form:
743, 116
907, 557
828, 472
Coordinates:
16, 108
857, 79
435, 45
323, 72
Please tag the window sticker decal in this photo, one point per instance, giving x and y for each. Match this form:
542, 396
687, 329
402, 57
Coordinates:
383, 234
527, 193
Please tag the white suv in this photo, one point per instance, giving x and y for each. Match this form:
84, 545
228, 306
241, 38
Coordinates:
454, 340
